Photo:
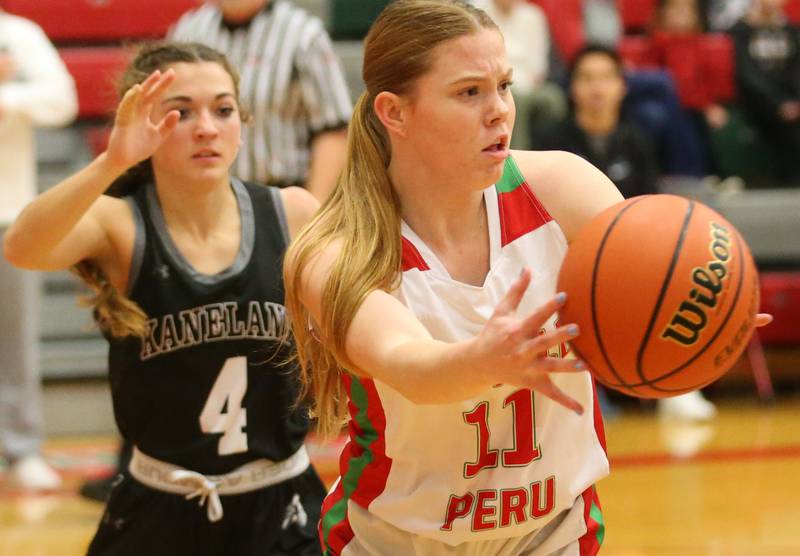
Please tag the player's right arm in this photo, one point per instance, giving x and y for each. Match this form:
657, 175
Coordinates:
386, 341
73, 221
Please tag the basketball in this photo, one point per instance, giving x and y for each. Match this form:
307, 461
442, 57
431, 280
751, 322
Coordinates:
665, 292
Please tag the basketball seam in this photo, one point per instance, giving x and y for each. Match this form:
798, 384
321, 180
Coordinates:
600, 250
664, 287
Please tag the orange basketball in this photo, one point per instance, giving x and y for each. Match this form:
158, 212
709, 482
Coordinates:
665, 292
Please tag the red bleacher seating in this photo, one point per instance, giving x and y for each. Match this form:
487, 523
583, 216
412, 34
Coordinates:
780, 296
636, 15
95, 70
565, 18
719, 52
792, 9
637, 52
81, 20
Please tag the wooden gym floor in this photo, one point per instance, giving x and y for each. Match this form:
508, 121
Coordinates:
728, 488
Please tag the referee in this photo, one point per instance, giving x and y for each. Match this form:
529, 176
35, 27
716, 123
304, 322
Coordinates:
291, 83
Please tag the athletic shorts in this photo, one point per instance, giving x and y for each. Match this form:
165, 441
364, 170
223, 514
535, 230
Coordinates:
577, 531
278, 520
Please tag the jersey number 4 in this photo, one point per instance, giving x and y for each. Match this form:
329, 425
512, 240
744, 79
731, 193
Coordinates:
525, 449
223, 411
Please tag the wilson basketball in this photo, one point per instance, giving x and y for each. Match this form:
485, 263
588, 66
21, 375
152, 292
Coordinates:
665, 292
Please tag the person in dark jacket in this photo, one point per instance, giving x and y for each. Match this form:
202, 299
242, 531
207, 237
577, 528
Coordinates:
595, 129
768, 79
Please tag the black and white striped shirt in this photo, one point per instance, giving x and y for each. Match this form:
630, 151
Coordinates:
291, 83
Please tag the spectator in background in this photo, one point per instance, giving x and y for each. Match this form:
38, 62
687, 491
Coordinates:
602, 22
768, 78
597, 132
723, 14
292, 84
680, 47
35, 90
575, 23
527, 39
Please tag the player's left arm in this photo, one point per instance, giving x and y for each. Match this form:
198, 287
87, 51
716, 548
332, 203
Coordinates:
299, 206
571, 189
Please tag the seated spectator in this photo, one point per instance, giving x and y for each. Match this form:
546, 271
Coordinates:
768, 79
602, 22
652, 103
575, 23
680, 47
527, 38
723, 14
596, 131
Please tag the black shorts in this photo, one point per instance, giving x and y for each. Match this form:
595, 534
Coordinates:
279, 520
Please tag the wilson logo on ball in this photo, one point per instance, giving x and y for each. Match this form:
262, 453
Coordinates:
690, 319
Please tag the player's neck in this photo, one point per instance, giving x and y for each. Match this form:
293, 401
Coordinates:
443, 213
198, 211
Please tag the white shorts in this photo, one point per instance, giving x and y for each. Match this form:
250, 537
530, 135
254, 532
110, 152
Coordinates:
375, 537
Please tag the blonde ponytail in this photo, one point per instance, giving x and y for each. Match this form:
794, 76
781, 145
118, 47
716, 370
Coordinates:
363, 212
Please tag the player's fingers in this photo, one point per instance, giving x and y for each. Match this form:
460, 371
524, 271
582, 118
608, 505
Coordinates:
155, 88
151, 80
168, 123
535, 320
127, 105
513, 296
542, 342
763, 319
560, 365
545, 386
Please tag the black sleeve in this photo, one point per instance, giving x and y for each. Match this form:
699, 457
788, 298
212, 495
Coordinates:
794, 69
755, 85
552, 137
646, 162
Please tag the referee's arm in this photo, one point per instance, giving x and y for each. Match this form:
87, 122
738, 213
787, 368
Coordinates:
328, 102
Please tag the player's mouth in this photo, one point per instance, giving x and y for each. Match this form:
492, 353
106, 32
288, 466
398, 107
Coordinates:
499, 148
206, 154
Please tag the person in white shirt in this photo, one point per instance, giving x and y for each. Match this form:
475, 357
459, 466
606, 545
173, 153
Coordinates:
527, 39
35, 90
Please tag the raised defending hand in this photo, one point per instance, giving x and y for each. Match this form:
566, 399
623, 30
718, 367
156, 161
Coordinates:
512, 351
135, 136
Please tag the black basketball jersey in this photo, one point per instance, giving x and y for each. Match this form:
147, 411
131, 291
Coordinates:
206, 388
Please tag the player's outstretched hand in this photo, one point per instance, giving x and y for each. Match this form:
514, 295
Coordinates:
135, 136
763, 319
512, 351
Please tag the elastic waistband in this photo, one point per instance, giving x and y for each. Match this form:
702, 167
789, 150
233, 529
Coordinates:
174, 479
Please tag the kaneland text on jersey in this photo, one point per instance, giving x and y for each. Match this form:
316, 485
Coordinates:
213, 323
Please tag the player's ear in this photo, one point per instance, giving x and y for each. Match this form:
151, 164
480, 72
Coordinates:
391, 111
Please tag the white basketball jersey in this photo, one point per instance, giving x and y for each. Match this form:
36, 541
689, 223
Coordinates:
496, 466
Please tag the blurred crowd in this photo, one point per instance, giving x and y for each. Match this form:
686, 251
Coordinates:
704, 84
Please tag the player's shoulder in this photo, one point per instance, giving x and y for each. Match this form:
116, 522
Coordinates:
569, 187
300, 207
